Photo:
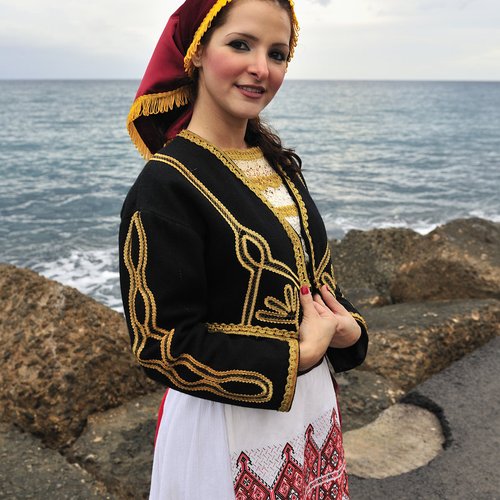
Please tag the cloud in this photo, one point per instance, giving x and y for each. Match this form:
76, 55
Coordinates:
338, 39
322, 2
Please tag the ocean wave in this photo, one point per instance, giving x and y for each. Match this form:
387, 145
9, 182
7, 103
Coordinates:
92, 272
95, 272
338, 227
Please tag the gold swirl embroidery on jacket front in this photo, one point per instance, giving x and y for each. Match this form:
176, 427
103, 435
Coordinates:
246, 240
146, 330
284, 311
324, 272
291, 233
304, 217
272, 333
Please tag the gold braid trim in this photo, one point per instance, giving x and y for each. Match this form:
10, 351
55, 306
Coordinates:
275, 333
243, 238
304, 218
210, 380
359, 318
292, 234
291, 380
324, 276
256, 331
253, 153
207, 22
153, 104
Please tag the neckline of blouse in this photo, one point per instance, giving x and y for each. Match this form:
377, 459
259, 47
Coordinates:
251, 153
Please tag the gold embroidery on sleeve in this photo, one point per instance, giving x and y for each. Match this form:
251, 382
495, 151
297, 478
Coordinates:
291, 380
360, 318
256, 331
143, 332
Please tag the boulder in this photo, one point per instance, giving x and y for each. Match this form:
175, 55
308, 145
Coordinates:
64, 356
117, 446
30, 470
410, 342
366, 262
458, 260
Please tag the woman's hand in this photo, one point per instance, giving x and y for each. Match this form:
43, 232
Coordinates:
348, 331
316, 330
325, 323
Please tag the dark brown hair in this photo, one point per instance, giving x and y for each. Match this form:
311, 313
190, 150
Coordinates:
258, 133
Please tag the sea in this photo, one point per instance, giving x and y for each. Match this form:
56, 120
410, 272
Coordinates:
375, 154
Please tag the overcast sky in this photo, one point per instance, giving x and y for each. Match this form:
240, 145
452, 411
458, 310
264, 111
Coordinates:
339, 39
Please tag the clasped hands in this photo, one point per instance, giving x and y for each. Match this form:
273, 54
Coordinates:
325, 323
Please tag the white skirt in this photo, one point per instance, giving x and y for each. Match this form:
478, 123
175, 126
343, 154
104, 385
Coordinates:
217, 451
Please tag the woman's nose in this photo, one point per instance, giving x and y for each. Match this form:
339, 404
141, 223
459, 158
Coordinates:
259, 66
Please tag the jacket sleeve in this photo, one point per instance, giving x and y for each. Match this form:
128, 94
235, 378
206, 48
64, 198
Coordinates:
346, 358
164, 290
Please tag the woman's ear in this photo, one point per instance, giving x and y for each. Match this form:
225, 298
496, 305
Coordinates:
196, 59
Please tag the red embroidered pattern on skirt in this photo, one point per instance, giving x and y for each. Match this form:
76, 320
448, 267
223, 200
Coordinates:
322, 476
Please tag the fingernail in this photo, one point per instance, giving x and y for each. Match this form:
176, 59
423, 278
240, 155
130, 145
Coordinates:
304, 290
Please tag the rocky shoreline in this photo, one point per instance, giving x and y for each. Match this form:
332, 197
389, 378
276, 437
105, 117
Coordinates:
78, 415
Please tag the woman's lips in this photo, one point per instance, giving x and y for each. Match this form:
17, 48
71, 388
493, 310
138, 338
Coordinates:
253, 91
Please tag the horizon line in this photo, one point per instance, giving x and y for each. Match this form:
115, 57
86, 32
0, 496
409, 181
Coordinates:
395, 80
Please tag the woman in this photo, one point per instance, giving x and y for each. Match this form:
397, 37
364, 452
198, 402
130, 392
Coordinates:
226, 277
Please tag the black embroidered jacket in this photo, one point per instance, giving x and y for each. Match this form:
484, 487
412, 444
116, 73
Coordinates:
210, 278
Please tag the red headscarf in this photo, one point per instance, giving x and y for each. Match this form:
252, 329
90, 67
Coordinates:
162, 105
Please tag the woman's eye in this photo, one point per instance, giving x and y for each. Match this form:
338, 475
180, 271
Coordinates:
239, 45
277, 55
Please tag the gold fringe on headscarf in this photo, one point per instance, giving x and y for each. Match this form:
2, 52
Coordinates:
153, 104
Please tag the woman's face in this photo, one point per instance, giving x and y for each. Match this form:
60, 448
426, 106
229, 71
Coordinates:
244, 62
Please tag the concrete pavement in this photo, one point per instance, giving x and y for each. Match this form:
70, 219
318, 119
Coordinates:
466, 399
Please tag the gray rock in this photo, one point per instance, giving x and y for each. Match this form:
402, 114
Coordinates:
30, 470
458, 260
367, 261
363, 396
411, 342
64, 356
117, 446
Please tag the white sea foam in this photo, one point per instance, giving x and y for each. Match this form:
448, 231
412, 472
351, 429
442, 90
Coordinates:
337, 227
485, 215
367, 165
93, 272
